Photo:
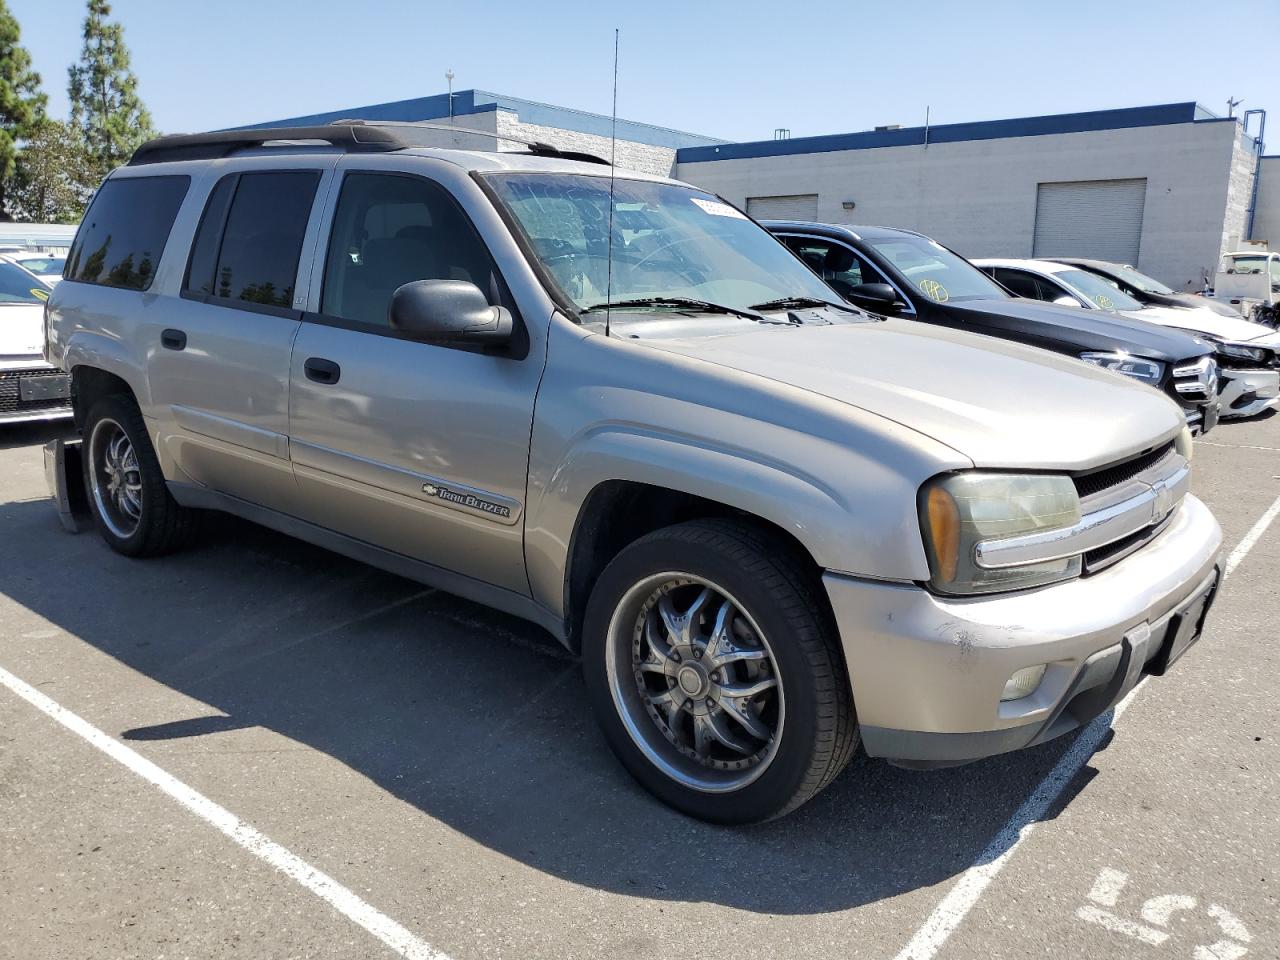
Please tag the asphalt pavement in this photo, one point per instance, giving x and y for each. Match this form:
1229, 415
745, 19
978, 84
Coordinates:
316, 759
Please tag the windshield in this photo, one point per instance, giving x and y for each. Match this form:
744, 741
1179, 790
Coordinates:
44, 264
1256, 264
1139, 281
1101, 293
18, 286
669, 242
937, 272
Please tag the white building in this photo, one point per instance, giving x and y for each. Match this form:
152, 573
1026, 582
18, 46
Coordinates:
1166, 188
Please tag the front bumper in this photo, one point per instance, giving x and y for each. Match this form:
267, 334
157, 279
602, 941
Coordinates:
927, 672
1247, 393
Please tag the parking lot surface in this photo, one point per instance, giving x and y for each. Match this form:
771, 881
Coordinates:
436, 761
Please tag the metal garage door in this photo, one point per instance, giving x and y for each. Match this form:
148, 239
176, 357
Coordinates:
784, 208
1101, 219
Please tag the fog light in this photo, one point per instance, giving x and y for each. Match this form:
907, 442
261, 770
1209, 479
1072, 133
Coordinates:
1023, 683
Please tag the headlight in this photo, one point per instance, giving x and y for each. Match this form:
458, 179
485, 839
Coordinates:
1241, 351
960, 510
1148, 371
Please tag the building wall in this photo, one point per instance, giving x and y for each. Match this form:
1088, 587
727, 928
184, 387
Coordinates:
1266, 219
1235, 222
979, 196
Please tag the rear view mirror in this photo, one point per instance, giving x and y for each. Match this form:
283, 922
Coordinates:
873, 296
448, 311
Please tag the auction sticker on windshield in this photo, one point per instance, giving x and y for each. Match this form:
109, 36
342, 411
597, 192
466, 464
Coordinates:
934, 290
718, 209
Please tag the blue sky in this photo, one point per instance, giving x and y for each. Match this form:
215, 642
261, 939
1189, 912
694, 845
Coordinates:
730, 69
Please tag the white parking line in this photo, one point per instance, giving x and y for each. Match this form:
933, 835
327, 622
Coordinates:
955, 906
321, 884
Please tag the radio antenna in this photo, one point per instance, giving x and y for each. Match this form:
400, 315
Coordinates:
613, 157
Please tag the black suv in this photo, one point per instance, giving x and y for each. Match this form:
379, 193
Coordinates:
891, 271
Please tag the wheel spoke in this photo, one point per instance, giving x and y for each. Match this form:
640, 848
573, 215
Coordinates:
702, 736
659, 660
719, 729
742, 715
748, 689
680, 626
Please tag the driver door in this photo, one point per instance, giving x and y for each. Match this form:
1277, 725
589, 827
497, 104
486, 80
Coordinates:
417, 448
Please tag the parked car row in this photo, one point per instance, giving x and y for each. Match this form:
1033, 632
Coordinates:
900, 273
30, 388
775, 525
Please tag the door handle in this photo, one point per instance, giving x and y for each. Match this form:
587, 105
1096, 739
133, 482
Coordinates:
173, 339
321, 370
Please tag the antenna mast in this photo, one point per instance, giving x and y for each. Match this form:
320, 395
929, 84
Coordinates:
613, 157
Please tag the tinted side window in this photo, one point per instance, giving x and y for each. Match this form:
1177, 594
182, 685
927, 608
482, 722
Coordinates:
1022, 284
389, 230
120, 242
250, 238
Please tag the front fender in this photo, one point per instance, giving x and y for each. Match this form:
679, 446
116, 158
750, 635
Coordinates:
844, 486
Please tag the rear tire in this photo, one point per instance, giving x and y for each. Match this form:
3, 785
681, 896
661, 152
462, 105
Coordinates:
131, 506
714, 670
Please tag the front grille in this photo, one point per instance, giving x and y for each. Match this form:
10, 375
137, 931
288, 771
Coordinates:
1196, 382
11, 396
1103, 557
1099, 481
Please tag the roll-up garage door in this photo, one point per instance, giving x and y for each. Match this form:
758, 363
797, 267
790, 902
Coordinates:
799, 207
1099, 219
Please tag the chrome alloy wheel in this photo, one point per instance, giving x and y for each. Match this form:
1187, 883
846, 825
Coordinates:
115, 478
695, 682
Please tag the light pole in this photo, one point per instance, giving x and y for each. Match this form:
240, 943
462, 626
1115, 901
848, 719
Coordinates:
448, 75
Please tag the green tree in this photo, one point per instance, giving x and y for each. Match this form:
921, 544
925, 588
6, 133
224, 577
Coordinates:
22, 103
55, 176
105, 106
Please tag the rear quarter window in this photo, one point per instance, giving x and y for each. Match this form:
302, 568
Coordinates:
122, 237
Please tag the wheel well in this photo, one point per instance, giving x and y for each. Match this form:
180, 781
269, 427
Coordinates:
619, 512
89, 385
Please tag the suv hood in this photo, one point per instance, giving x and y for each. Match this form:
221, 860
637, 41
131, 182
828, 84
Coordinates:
1200, 320
1001, 404
1079, 330
21, 330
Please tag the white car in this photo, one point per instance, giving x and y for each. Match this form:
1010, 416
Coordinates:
30, 389
46, 266
1248, 352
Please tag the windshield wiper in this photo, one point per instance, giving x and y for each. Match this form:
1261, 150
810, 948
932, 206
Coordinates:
784, 303
705, 306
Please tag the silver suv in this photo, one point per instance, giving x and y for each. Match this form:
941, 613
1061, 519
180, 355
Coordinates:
773, 525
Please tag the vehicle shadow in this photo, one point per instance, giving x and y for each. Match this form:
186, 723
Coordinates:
479, 721
15, 435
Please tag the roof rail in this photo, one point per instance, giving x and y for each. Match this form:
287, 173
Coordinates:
353, 138
537, 147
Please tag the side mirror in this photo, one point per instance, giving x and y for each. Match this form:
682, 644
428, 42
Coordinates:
1066, 301
873, 296
448, 312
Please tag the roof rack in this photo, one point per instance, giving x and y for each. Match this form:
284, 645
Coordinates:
351, 136
537, 147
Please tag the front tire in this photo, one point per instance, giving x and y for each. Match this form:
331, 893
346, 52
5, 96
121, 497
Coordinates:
713, 668
131, 506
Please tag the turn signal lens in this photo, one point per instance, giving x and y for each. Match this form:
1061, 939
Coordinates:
944, 529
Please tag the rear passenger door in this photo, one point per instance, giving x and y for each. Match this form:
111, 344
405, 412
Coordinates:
221, 361
421, 449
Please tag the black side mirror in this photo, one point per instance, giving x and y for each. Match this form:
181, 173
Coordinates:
448, 311
877, 297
